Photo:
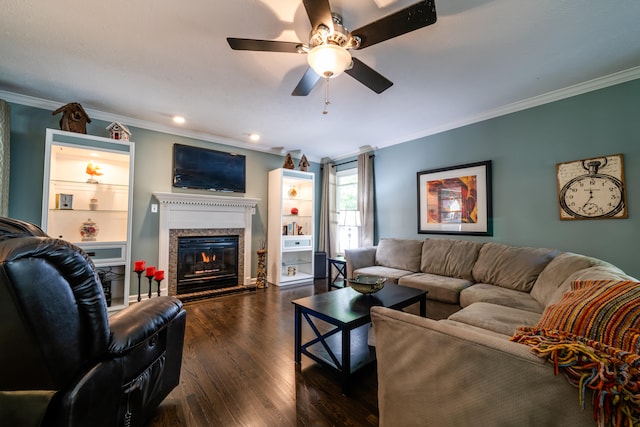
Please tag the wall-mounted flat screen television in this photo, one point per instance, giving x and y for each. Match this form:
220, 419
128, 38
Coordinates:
205, 169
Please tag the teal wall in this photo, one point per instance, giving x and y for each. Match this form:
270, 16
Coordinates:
524, 148
152, 173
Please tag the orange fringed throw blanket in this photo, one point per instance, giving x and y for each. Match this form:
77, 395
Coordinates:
613, 374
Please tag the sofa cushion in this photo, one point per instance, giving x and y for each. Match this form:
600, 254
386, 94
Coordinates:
439, 288
496, 318
556, 272
511, 266
482, 292
392, 274
474, 329
607, 311
449, 257
399, 253
601, 271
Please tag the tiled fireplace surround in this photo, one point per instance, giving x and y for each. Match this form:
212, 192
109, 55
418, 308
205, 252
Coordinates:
203, 215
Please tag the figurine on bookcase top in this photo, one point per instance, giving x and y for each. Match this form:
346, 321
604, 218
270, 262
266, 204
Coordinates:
119, 131
74, 118
304, 163
288, 162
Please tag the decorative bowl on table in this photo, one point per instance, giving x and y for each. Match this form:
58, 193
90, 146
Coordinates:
367, 284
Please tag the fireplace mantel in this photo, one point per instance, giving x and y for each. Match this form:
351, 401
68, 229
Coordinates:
195, 211
181, 199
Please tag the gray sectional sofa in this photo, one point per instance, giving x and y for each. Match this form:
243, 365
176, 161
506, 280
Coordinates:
458, 367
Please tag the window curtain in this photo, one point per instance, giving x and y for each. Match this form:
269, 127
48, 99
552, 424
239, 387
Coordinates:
328, 234
4, 158
366, 199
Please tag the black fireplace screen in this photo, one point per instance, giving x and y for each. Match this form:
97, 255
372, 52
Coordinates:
207, 263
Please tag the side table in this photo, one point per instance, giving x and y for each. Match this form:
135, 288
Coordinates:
340, 265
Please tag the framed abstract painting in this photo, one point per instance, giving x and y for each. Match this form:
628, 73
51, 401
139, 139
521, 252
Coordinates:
455, 200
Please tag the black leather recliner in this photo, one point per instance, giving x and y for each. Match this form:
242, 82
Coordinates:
63, 361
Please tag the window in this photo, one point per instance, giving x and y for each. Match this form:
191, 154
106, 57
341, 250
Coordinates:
347, 206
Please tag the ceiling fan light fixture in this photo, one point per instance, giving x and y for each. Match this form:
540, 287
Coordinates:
329, 60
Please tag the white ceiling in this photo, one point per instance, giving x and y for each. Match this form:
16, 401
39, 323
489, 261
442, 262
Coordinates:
143, 61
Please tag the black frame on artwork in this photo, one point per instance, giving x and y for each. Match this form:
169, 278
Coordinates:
455, 200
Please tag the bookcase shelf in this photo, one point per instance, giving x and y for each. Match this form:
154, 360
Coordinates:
290, 235
72, 199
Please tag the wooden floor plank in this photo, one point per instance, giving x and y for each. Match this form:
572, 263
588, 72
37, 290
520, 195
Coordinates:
238, 369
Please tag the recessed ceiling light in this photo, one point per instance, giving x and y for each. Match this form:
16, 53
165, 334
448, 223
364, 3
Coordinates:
179, 119
254, 137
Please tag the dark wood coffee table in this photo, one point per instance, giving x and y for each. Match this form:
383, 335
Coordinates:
344, 348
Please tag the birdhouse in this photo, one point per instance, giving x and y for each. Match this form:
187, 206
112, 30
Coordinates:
119, 131
288, 162
74, 118
304, 163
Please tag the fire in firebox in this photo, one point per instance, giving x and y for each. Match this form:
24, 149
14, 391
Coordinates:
207, 263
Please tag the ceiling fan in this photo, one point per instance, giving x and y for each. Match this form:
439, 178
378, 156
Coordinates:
330, 42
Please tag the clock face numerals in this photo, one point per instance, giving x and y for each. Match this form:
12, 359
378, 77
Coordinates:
592, 196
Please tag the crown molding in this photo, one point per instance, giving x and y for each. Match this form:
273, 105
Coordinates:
557, 95
46, 104
536, 101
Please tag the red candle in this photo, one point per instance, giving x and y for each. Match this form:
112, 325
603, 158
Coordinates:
159, 274
138, 266
151, 271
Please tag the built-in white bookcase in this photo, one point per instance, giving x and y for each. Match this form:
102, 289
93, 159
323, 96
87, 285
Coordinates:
76, 202
291, 234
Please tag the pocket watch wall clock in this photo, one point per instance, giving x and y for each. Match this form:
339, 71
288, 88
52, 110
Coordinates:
592, 188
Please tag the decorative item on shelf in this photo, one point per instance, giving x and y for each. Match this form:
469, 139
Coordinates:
304, 163
261, 278
367, 284
139, 267
64, 201
150, 273
119, 131
291, 270
288, 162
93, 204
159, 276
93, 170
74, 118
293, 192
89, 231
294, 211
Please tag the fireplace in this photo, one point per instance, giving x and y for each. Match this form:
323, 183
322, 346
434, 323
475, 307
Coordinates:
206, 263
196, 215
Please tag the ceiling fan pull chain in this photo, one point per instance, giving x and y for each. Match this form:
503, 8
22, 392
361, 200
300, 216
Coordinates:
326, 95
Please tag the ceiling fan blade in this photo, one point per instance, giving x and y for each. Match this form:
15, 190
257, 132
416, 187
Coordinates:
319, 12
368, 76
404, 21
263, 45
307, 83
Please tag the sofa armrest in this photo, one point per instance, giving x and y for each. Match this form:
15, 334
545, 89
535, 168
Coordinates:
136, 323
434, 373
359, 258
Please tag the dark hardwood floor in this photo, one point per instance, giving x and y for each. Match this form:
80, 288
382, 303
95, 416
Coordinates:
238, 369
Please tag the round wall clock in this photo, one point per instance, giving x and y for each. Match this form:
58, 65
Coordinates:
592, 188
